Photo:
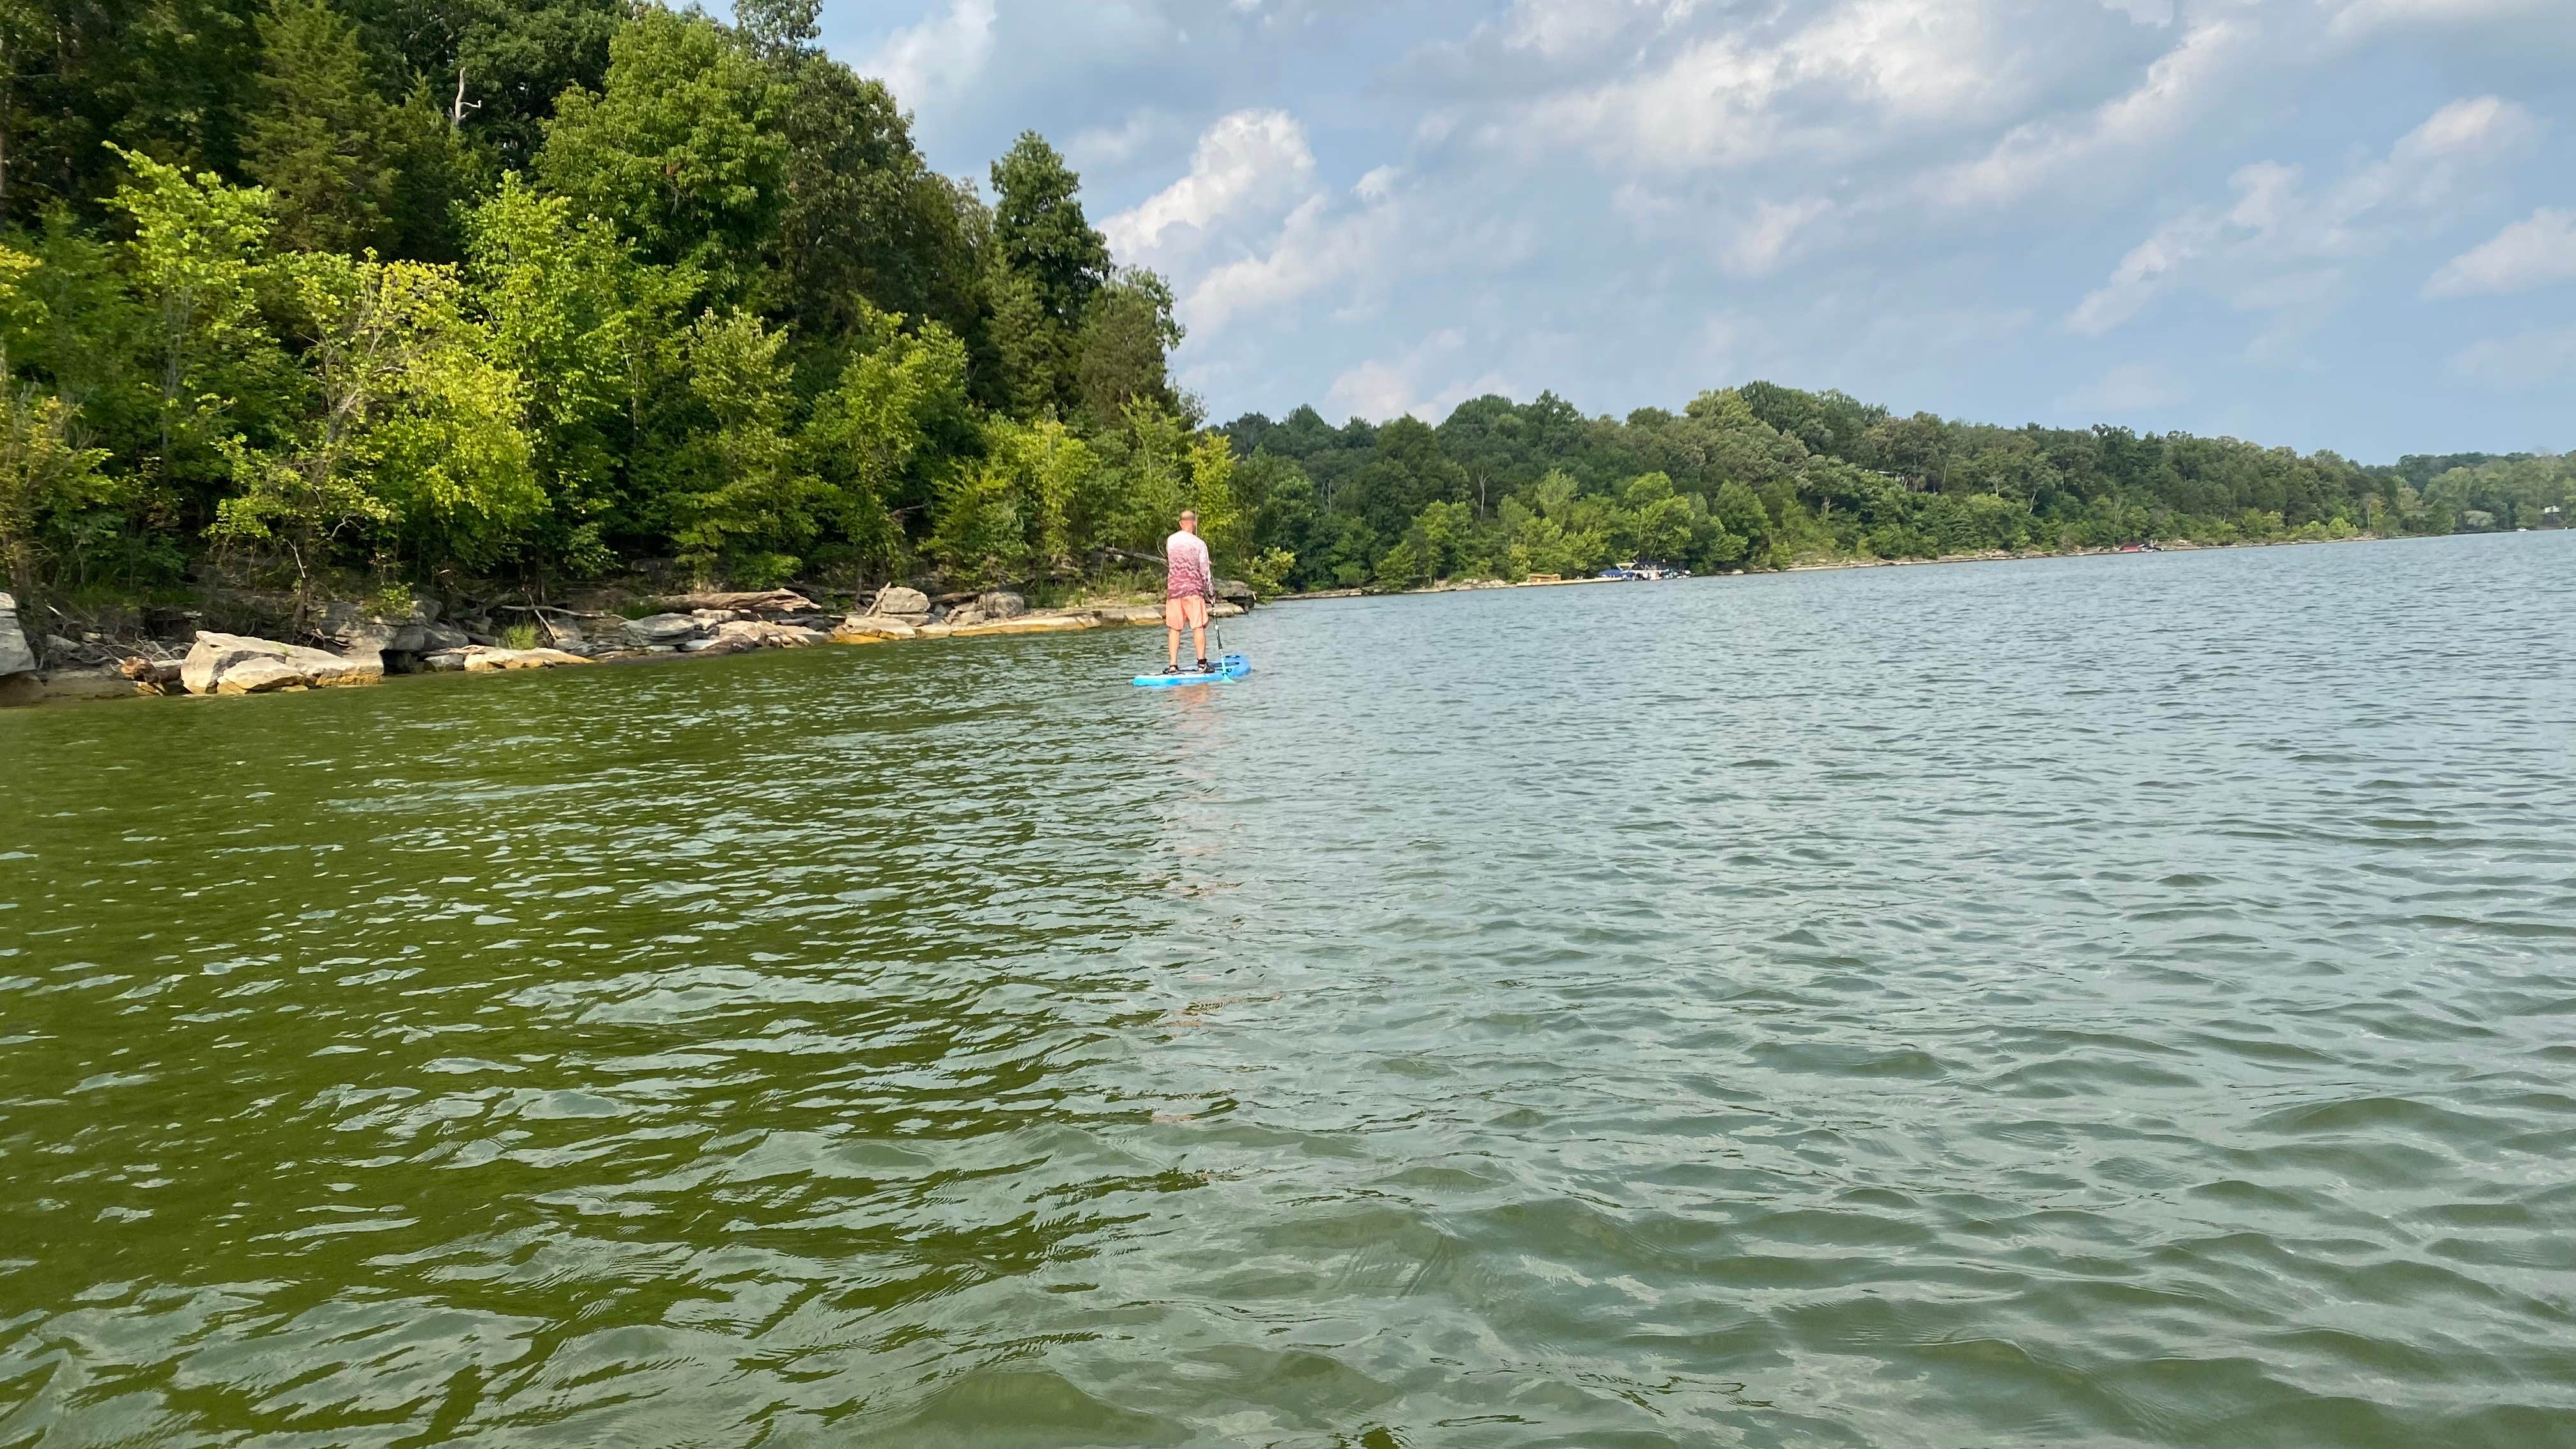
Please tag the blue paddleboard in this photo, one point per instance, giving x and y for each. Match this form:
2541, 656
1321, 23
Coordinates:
1232, 666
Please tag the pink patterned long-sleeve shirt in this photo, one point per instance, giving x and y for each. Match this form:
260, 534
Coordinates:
1191, 576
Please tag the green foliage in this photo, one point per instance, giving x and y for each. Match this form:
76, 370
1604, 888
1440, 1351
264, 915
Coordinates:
1126, 333
1008, 519
322, 142
597, 336
493, 68
881, 438
742, 502
56, 507
1765, 476
680, 151
413, 434
1040, 232
542, 287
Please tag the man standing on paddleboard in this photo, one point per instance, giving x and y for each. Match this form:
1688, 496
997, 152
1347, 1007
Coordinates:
1186, 592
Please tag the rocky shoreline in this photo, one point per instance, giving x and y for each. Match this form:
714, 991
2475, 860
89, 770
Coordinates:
352, 645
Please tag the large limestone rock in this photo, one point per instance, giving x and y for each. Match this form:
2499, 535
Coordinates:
1235, 591
663, 629
479, 659
898, 602
1137, 614
261, 674
1002, 604
358, 630
561, 628
1031, 624
868, 629
756, 634
238, 664
15, 656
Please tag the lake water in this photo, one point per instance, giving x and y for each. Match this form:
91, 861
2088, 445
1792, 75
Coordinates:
2114, 1001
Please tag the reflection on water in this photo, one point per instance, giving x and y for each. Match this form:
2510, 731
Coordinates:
2118, 1001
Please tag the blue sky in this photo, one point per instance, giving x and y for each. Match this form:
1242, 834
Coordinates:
2322, 223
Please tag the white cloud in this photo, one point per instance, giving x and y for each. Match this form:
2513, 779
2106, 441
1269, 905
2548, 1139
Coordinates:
2131, 387
1320, 245
2262, 192
1763, 243
1381, 390
1248, 162
1559, 28
1119, 144
2534, 252
2520, 363
2176, 90
938, 57
2425, 168
2145, 12
1718, 100
2278, 249
2362, 17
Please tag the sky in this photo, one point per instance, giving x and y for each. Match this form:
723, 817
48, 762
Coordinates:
2345, 224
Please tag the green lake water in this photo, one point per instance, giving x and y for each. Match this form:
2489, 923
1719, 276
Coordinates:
2115, 1001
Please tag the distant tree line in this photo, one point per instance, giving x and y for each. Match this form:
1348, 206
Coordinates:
340, 294
1763, 476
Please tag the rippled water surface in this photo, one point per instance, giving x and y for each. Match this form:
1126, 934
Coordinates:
2110, 1001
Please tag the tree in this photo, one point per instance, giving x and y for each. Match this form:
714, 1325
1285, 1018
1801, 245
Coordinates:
1041, 232
494, 67
1126, 336
883, 439
743, 501
680, 151
197, 266
49, 482
411, 429
597, 335
866, 223
1008, 519
1660, 522
323, 142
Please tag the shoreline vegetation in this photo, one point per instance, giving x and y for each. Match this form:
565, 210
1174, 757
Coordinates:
323, 316
1831, 565
367, 647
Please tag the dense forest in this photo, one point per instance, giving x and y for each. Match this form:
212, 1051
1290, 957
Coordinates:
1763, 476
372, 295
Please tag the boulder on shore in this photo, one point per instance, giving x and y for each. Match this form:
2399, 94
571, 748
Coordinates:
1028, 624
15, 656
1001, 604
754, 634
356, 629
662, 629
1235, 591
238, 664
899, 602
866, 629
1138, 614
479, 659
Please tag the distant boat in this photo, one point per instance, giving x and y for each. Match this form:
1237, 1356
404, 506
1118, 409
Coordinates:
1643, 571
